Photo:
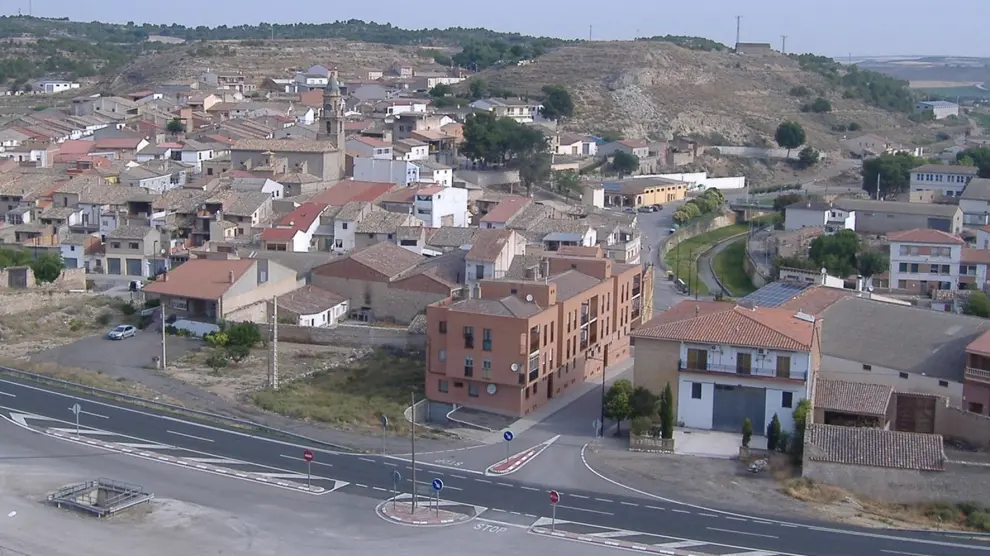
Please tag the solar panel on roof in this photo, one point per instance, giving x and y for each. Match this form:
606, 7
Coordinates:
774, 294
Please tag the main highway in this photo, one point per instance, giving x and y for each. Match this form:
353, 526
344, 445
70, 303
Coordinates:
376, 473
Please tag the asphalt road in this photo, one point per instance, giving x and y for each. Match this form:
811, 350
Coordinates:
580, 505
654, 227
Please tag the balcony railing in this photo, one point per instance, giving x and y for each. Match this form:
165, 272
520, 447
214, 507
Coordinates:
733, 370
534, 344
979, 375
533, 375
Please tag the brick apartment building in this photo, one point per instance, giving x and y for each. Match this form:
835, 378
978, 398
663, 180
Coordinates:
514, 344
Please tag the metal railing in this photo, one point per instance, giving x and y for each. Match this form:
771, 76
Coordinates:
739, 371
977, 374
101, 393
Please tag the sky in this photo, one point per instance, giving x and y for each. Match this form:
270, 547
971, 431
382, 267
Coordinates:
836, 28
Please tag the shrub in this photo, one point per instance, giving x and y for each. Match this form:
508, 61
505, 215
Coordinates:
979, 520
75, 325
143, 322
943, 513
171, 330
216, 339
152, 303
747, 432
104, 319
800, 91
128, 309
238, 352
969, 507
217, 360
853, 126
641, 426
783, 441
244, 334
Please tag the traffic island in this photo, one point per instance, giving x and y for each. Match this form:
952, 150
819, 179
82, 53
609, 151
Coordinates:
429, 512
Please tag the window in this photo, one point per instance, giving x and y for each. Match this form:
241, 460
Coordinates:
902, 267
442, 355
786, 399
902, 375
458, 384
943, 383
115, 244
472, 390
133, 245
469, 337
443, 327
744, 363
479, 272
343, 225
867, 367
783, 367
469, 366
442, 385
177, 304
695, 390
486, 339
486, 368
546, 335
697, 359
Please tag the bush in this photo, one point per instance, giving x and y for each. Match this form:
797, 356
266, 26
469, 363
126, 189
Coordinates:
216, 339
217, 360
75, 325
783, 442
641, 426
104, 319
853, 126
943, 513
747, 432
143, 322
238, 353
244, 334
152, 303
800, 91
776, 188
969, 507
127, 309
979, 520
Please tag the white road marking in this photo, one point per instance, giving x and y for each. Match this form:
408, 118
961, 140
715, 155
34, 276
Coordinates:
369, 460
611, 534
215, 460
629, 504
736, 518
742, 533
190, 436
679, 511
584, 510
456, 476
656, 508
905, 553
753, 553
603, 499
504, 485
680, 544
94, 414
281, 475
529, 488
139, 446
578, 496
708, 515
505, 523
486, 481
89, 432
297, 458
8, 394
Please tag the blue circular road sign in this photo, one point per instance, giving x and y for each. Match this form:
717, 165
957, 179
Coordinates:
508, 436
437, 484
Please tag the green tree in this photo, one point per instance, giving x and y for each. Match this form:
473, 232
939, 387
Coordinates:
14, 257
894, 171
781, 202
789, 135
747, 432
820, 106
534, 166
800, 91
837, 252
976, 156
243, 334
871, 263
978, 305
667, 412
853, 126
800, 416
557, 102
441, 90
477, 88
643, 403
175, 126
808, 157
773, 433
47, 267
567, 182
624, 163
617, 404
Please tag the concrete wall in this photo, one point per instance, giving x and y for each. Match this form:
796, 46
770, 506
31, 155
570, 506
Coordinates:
387, 303
753, 270
952, 422
837, 368
70, 279
347, 335
755, 152
960, 482
700, 226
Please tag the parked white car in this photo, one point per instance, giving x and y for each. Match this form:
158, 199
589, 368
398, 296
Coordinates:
121, 332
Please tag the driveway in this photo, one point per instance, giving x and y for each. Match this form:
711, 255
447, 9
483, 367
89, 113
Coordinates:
655, 226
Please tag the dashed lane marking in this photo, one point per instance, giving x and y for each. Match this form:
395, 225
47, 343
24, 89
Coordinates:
679, 511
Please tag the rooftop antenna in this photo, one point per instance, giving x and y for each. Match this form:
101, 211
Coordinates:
738, 26
783, 44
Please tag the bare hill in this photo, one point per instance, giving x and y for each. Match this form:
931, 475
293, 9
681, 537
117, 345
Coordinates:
655, 89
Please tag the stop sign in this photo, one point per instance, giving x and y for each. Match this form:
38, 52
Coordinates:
308, 455
554, 497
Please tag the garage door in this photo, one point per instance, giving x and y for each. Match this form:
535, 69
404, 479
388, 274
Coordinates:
70, 262
733, 404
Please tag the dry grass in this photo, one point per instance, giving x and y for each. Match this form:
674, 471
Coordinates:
94, 379
33, 321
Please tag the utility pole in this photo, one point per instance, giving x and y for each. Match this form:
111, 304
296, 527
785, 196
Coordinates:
878, 186
590, 27
274, 376
738, 26
412, 440
162, 305
783, 44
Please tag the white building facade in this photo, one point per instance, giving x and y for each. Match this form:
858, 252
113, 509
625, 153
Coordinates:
925, 260
943, 179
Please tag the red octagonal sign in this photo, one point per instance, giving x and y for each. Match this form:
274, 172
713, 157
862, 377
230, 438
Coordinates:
308, 455
554, 497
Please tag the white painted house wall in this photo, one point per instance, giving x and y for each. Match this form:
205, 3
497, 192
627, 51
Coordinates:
797, 218
837, 368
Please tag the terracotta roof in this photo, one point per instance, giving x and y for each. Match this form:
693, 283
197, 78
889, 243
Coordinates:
874, 447
852, 397
346, 191
308, 300
506, 307
430, 190
815, 299
279, 234
725, 323
980, 345
75, 147
506, 209
117, 143
580, 251
371, 141
404, 195
488, 245
284, 145
201, 278
298, 220
925, 236
385, 258
975, 256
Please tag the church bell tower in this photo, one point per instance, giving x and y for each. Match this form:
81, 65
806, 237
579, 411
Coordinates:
332, 121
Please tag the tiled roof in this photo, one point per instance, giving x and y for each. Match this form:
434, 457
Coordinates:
386, 258
506, 307
308, 300
284, 145
874, 447
75, 147
725, 323
980, 345
371, 141
243, 203
973, 255
130, 232
946, 169
572, 283
346, 191
815, 299
506, 209
201, 278
451, 236
381, 222
923, 235
488, 245
117, 143
852, 397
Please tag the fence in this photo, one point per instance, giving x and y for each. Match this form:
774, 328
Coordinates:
701, 225
101, 393
347, 335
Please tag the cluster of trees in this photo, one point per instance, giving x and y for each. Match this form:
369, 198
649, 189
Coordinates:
67, 57
691, 43
231, 343
851, 126
505, 142
894, 171
46, 266
623, 402
872, 87
978, 305
624, 163
841, 254
557, 102
820, 105
707, 202
976, 156
480, 54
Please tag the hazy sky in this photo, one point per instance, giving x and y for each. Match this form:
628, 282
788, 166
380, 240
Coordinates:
831, 27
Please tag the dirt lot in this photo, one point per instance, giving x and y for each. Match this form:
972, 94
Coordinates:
34, 321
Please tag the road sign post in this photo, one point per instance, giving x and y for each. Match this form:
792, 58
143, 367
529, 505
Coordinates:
508, 436
396, 477
437, 487
76, 409
554, 498
308, 457
384, 421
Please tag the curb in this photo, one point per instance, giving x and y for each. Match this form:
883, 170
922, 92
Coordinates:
380, 510
515, 464
184, 463
613, 544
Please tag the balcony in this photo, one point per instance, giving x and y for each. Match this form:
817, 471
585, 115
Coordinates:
534, 343
733, 370
977, 375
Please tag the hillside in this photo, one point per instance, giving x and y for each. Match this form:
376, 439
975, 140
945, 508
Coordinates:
657, 89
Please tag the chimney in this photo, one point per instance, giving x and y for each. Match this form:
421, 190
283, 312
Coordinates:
230, 276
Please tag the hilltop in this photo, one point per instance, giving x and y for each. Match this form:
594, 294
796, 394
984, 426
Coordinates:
658, 89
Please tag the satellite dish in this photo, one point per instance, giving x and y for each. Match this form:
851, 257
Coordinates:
514, 367
491, 389
529, 297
